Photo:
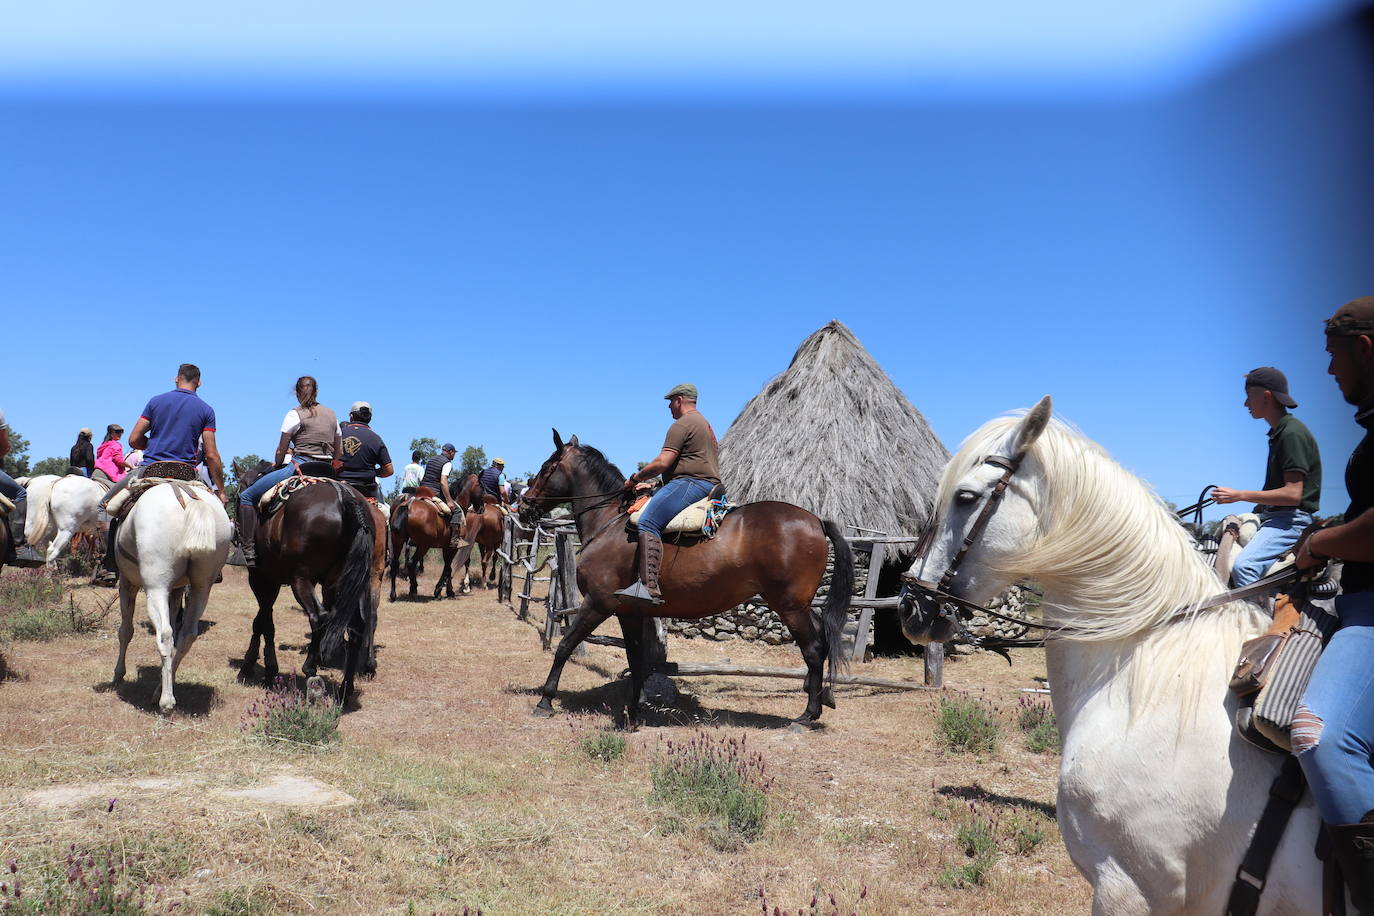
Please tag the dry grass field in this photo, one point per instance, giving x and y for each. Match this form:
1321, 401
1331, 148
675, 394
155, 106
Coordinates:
445, 793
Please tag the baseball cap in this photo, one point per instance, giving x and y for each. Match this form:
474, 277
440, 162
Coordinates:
1272, 380
448, 447
500, 461
685, 389
359, 405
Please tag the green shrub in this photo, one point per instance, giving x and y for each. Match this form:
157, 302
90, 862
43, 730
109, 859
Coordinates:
604, 744
36, 606
1024, 833
718, 779
284, 714
1036, 719
965, 724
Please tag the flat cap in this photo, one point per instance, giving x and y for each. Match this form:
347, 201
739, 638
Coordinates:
686, 389
1354, 318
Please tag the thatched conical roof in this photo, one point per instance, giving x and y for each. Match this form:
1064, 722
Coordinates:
834, 435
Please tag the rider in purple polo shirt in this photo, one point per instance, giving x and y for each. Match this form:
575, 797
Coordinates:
171, 428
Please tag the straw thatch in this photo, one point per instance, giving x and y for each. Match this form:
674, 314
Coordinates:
833, 434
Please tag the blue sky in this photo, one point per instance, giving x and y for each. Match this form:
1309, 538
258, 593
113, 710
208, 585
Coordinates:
488, 225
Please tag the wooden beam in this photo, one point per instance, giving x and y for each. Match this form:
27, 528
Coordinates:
694, 669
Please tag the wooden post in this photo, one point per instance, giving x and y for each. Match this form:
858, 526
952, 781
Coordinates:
859, 650
935, 664
530, 562
506, 576
567, 580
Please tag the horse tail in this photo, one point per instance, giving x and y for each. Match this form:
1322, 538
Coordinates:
836, 610
200, 534
353, 598
38, 524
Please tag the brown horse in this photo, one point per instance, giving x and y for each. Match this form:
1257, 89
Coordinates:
771, 549
418, 523
485, 530
323, 535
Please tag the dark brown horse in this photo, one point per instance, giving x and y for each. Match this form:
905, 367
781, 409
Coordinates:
771, 549
325, 534
418, 523
485, 530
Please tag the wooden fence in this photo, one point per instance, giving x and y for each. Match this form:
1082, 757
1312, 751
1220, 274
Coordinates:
520, 552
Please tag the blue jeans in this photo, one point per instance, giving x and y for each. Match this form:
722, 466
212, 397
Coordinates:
676, 495
1279, 531
1337, 713
9, 487
250, 495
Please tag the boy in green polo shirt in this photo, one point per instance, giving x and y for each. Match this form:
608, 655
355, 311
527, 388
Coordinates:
1292, 478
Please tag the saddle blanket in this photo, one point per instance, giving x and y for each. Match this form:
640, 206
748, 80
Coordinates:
281, 491
439, 505
700, 519
123, 502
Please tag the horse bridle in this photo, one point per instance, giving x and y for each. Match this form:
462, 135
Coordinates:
939, 591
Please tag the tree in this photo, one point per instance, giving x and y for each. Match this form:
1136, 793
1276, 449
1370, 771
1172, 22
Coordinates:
474, 460
56, 466
427, 447
233, 475
16, 463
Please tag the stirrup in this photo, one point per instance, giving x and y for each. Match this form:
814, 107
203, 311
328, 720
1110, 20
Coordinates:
638, 595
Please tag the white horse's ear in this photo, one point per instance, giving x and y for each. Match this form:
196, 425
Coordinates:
557, 441
1033, 424
573, 441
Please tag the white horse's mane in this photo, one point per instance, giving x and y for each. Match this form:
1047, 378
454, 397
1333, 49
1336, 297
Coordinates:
1106, 539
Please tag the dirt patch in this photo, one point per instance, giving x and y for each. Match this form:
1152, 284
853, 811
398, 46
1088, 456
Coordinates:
300, 791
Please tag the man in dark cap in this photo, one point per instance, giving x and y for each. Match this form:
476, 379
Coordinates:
1292, 478
1333, 731
435, 477
690, 469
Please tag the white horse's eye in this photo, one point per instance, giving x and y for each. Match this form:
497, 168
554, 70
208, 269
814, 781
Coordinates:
966, 497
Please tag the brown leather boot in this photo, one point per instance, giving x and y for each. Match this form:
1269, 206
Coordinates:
1353, 847
644, 592
455, 530
248, 535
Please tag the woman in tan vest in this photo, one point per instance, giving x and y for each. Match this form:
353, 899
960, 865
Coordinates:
311, 432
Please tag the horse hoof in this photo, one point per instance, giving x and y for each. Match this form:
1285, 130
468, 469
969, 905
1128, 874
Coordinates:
802, 726
827, 697
543, 712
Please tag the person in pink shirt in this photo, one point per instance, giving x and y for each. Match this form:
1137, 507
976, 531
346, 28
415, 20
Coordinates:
109, 457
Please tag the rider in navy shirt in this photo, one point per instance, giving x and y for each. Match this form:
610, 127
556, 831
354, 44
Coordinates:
172, 427
365, 457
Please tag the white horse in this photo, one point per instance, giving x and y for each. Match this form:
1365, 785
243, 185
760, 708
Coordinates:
1157, 798
173, 554
58, 508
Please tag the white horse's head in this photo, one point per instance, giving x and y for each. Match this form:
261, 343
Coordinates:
994, 484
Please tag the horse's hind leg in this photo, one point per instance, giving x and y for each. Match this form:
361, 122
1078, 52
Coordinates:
304, 590
159, 612
448, 553
59, 544
197, 596
798, 620
127, 593
588, 619
265, 590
